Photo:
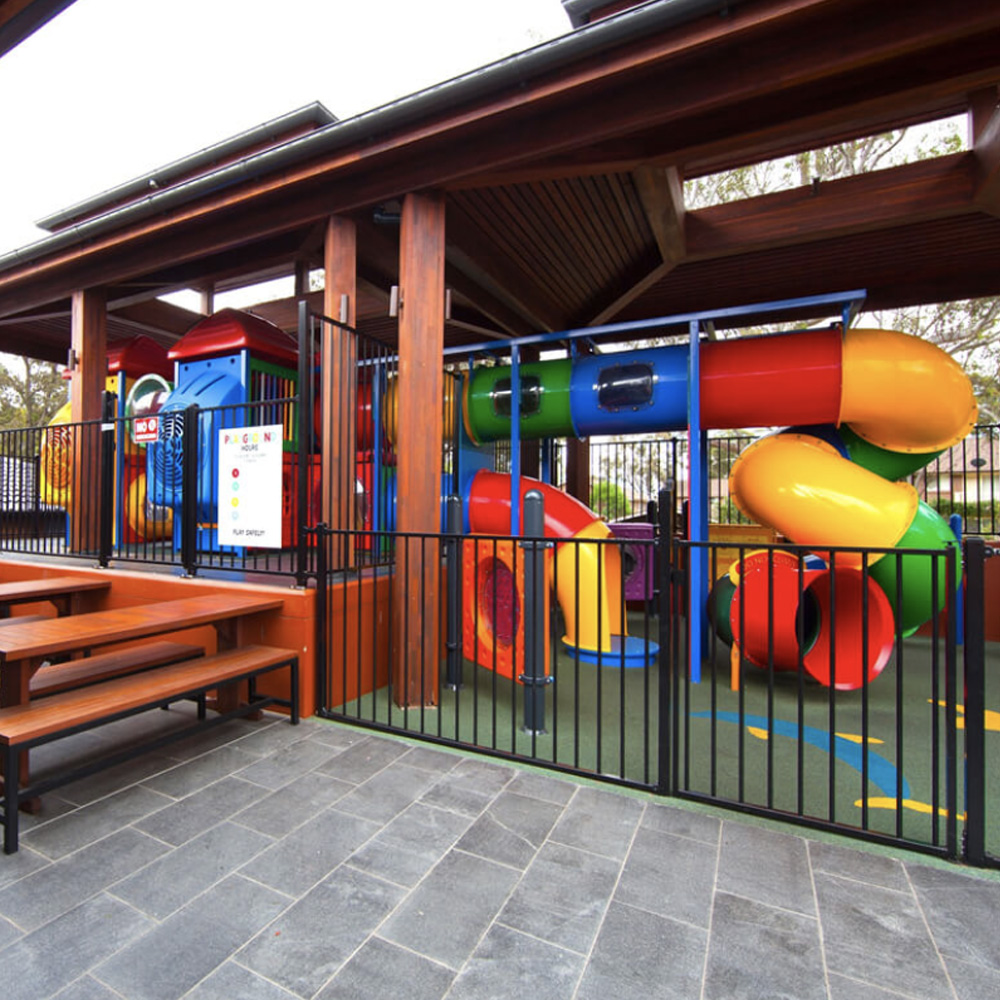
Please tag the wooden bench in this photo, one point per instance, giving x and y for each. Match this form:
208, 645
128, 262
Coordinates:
23, 620
70, 712
55, 677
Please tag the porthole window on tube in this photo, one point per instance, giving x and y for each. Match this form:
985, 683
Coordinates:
531, 396
622, 387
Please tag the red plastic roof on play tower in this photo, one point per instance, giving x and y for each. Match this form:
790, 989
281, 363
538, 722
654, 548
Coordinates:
232, 330
140, 355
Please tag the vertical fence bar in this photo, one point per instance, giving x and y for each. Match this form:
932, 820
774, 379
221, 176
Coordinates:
975, 702
305, 439
107, 505
533, 678
189, 491
322, 619
665, 557
453, 561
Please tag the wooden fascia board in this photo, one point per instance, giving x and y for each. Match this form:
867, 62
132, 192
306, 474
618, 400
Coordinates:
899, 196
23, 340
987, 153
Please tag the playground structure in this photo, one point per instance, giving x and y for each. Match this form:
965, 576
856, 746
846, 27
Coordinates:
242, 370
866, 407
138, 374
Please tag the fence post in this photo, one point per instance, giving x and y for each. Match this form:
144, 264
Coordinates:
453, 568
665, 604
322, 624
107, 505
974, 846
304, 433
535, 625
189, 491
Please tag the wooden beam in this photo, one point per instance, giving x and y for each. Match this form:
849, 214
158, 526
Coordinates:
986, 129
419, 436
89, 334
921, 191
339, 383
662, 194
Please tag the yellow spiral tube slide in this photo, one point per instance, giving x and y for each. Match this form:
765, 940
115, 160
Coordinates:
899, 394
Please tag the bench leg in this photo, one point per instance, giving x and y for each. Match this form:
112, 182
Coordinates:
293, 689
10, 810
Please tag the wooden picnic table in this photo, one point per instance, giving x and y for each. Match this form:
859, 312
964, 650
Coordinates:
69, 594
24, 648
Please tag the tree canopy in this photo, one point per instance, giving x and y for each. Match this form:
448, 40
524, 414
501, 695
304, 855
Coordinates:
30, 392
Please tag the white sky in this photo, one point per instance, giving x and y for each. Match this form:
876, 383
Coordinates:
112, 89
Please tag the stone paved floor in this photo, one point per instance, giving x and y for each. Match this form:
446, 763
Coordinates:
268, 862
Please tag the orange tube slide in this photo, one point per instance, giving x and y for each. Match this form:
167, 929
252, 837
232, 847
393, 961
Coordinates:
588, 575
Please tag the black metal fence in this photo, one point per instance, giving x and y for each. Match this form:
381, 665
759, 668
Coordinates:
833, 712
498, 644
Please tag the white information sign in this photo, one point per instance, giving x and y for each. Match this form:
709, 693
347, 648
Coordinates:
250, 486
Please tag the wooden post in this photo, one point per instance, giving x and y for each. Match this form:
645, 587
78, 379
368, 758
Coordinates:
420, 428
87, 382
578, 469
531, 464
339, 384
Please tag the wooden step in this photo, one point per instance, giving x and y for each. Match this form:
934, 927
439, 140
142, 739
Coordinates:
55, 677
24, 620
73, 709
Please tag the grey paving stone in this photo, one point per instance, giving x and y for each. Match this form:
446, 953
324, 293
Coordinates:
512, 829
232, 982
60, 887
46, 960
380, 969
8, 933
205, 740
293, 804
186, 947
639, 955
182, 820
114, 779
436, 761
337, 735
563, 896
541, 786
973, 982
266, 740
359, 762
175, 879
861, 865
92, 822
599, 821
279, 768
962, 912
313, 938
17, 866
444, 917
767, 866
310, 852
193, 775
682, 822
387, 793
509, 964
759, 952
842, 988
469, 788
411, 844
86, 988
878, 936
671, 876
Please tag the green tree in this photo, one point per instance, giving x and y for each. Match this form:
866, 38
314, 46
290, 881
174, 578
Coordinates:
609, 500
30, 392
